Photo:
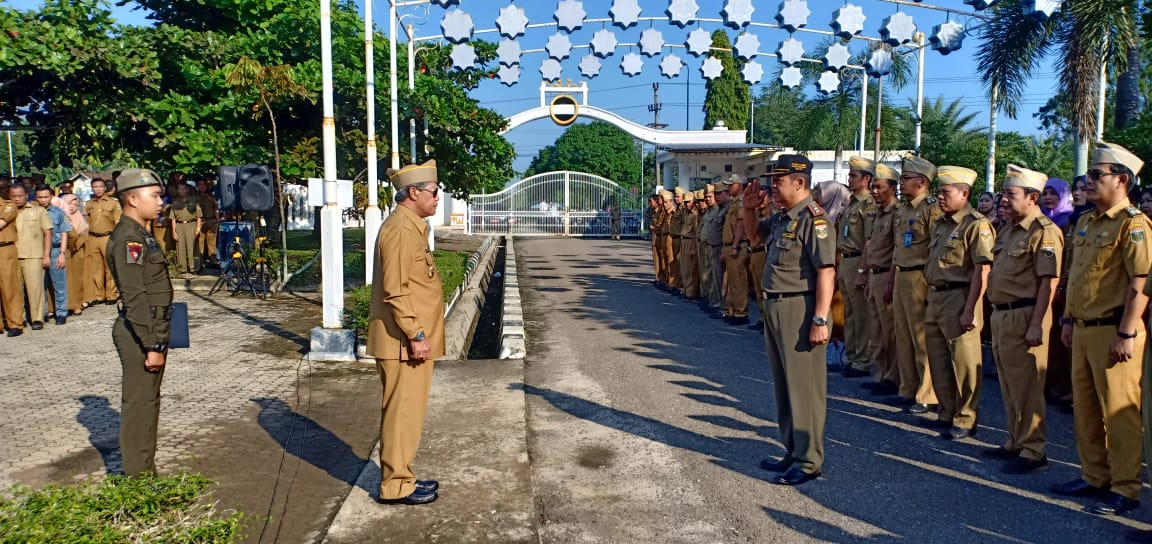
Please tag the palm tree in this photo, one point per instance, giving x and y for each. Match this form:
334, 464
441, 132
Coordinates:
1084, 34
949, 133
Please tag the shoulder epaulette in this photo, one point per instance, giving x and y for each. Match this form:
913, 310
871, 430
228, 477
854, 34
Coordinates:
1133, 211
930, 200
1044, 221
815, 209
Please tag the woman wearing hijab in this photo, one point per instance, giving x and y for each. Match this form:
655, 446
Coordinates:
75, 277
833, 197
1056, 201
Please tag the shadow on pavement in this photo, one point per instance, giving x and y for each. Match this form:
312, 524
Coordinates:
302, 437
103, 423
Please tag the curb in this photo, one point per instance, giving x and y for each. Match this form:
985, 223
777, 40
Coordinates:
460, 324
512, 339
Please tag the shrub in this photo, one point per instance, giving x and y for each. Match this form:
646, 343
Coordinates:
452, 266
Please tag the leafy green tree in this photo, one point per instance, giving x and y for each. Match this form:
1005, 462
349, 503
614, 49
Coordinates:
596, 148
728, 97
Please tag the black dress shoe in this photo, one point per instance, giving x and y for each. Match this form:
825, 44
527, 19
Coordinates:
736, 321
15, 332
779, 465
795, 476
885, 387
919, 408
37, 325
427, 486
900, 401
999, 452
1078, 488
1114, 505
850, 372
1138, 536
1024, 465
957, 433
941, 424
416, 497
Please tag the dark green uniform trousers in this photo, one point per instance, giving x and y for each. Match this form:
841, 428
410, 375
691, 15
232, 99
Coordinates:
800, 378
139, 404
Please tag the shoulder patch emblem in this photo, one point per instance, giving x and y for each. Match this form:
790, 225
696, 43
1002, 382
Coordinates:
135, 252
1132, 211
815, 209
1136, 233
821, 230
985, 232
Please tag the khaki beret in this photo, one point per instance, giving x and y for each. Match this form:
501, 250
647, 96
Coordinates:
700, 194
710, 188
688, 196
134, 178
1022, 177
1106, 153
857, 162
883, 171
412, 174
916, 165
948, 175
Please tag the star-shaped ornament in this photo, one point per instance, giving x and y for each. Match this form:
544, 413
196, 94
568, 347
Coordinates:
463, 56
671, 66
791, 77
682, 12
879, 63
603, 43
947, 37
550, 69
981, 5
590, 66
747, 45
848, 21
456, 26
897, 29
837, 56
737, 13
753, 72
828, 83
651, 42
512, 22
559, 46
446, 3
509, 52
699, 42
712, 68
625, 13
570, 15
509, 75
632, 64
1042, 9
791, 51
793, 14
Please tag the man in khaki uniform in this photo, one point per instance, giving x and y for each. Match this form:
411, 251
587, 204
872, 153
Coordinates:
103, 213
210, 221
704, 206
757, 246
689, 253
877, 261
660, 237
735, 255
11, 295
1025, 270
959, 259
675, 234
185, 220
906, 286
654, 227
1103, 324
406, 329
33, 248
798, 281
671, 267
853, 227
714, 235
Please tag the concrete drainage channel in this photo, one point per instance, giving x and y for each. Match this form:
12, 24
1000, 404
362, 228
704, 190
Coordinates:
499, 328
512, 338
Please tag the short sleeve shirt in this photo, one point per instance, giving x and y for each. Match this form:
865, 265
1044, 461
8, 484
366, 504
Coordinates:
1109, 248
60, 223
1024, 252
802, 242
31, 223
960, 242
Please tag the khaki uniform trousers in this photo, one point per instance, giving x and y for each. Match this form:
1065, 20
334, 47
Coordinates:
670, 263
1109, 426
406, 390
736, 290
11, 292
955, 356
75, 276
139, 404
883, 332
719, 276
186, 246
161, 236
799, 379
756, 262
909, 293
704, 259
1021, 370
657, 259
101, 286
856, 312
32, 282
689, 268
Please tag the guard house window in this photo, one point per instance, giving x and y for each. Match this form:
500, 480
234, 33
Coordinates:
727, 167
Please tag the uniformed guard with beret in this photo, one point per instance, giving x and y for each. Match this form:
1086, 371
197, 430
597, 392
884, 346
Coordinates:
959, 259
877, 262
1103, 324
735, 255
906, 286
140, 272
1025, 269
798, 281
689, 252
853, 227
406, 329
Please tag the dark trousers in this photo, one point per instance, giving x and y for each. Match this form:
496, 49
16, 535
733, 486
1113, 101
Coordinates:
139, 405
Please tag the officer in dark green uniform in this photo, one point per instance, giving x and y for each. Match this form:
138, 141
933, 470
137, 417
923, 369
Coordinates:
140, 334
797, 284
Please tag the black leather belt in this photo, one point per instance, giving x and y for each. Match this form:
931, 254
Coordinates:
850, 254
6, 244
756, 249
55, 246
99, 234
1022, 303
186, 222
949, 286
878, 270
782, 296
1110, 321
909, 268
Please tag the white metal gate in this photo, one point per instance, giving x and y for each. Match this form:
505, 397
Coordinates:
560, 203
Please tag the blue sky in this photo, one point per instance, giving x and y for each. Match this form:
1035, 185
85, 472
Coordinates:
952, 76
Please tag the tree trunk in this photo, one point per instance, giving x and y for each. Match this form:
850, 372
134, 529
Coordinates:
279, 194
1128, 91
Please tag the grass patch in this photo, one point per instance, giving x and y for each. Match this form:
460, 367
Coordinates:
452, 266
174, 508
302, 239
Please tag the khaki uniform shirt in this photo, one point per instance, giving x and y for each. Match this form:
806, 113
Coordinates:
676, 223
854, 225
208, 207
31, 223
141, 273
689, 224
1109, 248
1024, 253
912, 231
701, 222
407, 296
802, 242
659, 222
103, 214
734, 221
960, 242
881, 240
185, 211
8, 213
714, 224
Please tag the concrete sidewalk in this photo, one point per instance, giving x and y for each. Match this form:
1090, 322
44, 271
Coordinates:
475, 444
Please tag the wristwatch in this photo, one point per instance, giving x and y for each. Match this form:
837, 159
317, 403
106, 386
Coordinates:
160, 347
419, 337
819, 321
1125, 336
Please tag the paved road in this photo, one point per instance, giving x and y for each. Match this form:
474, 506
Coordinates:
647, 421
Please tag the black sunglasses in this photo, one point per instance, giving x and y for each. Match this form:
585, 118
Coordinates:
1095, 175
434, 192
